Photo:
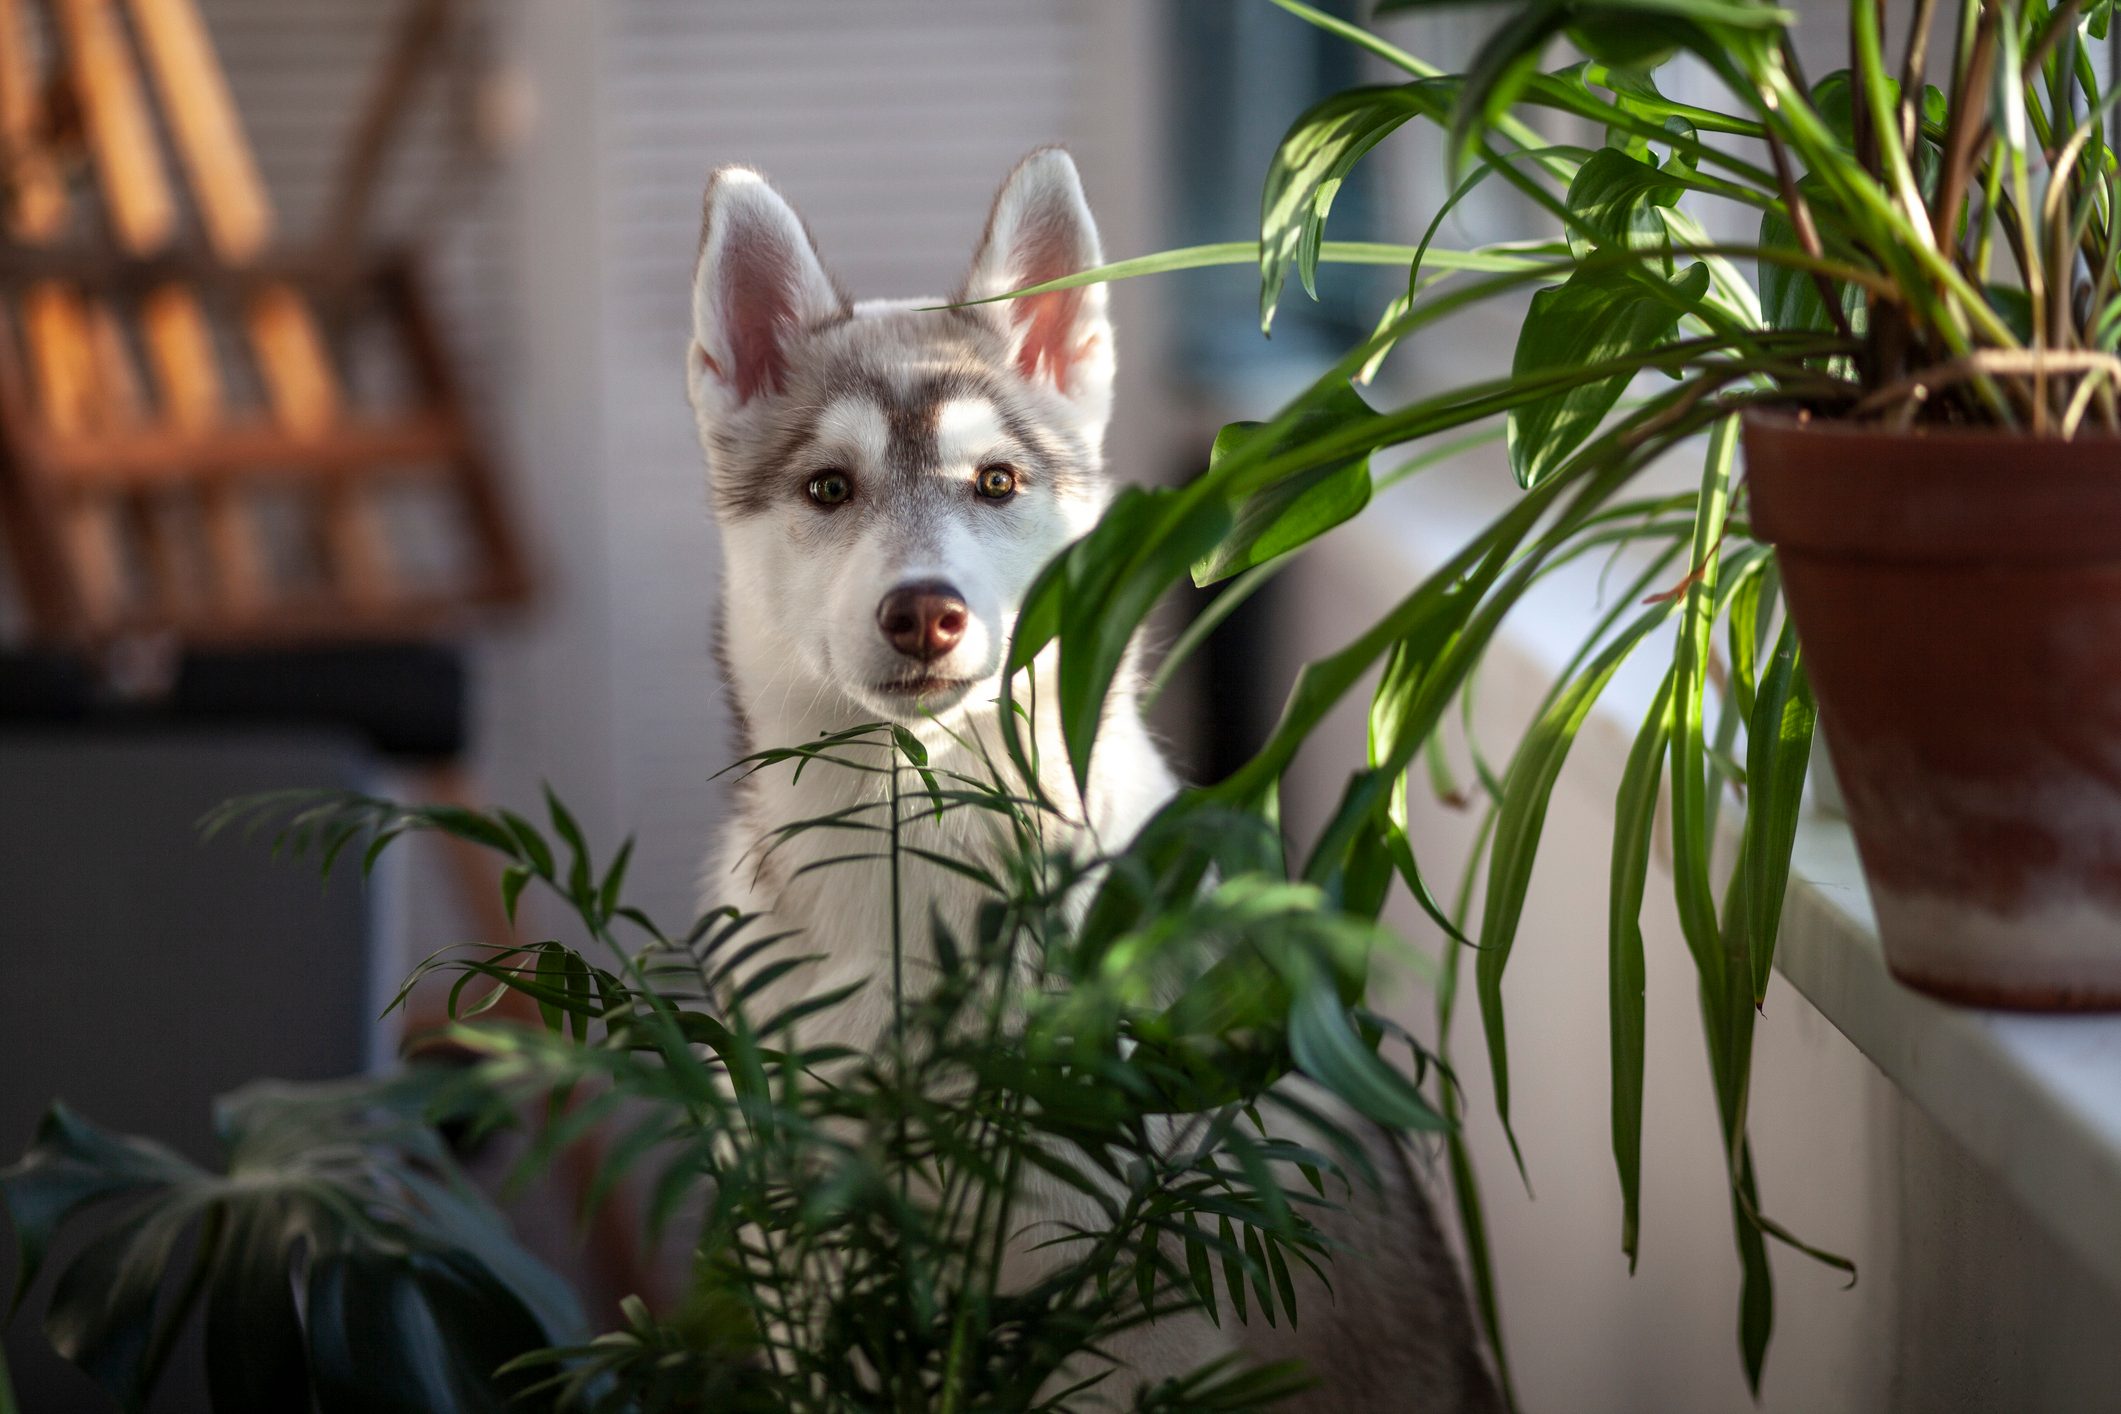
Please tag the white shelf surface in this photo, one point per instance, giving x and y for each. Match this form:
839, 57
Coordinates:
2035, 1099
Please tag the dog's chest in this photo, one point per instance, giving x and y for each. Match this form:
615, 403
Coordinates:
863, 900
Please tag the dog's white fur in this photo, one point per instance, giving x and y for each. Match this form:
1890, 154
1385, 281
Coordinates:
788, 379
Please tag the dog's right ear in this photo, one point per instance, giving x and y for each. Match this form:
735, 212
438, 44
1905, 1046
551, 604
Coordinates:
758, 283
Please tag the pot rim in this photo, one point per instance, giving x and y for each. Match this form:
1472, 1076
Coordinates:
1974, 499
1804, 422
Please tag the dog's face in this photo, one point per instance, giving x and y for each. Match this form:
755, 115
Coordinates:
889, 480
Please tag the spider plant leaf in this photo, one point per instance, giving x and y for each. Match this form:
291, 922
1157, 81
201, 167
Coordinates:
1528, 788
1756, 1291
1352, 861
1634, 825
1095, 595
1431, 612
1597, 314
1298, 509
1508, 57
1746, 630
1690, 784
1320, 148
1778, 754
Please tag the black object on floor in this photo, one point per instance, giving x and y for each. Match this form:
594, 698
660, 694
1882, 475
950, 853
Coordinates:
403, 699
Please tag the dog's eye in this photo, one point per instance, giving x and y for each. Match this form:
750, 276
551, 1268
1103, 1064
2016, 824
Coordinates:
830, 488
996, 482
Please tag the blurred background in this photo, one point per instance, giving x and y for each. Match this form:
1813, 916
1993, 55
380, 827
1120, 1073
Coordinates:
436, 258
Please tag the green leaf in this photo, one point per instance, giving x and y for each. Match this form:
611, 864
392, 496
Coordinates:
255, 1362
1200, 1273
1690, 784
1219, 253
513, 880
1527, 789
70, 1165
1631, 42
1499, 69
1634, 829
1233, 1269
1778, 753
1096, 595
472, 826
1295, 511
1321, 147
1617, 198
535, 850
345, 1170
1789, 297
1597, 314
413, 1331
1327, 1049
102, 1311
614, 878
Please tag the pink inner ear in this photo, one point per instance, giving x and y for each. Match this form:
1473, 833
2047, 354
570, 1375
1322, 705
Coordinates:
1047, 325
758, 311
755, 326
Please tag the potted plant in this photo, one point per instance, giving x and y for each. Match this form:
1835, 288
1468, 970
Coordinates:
853, 1211
1914, 346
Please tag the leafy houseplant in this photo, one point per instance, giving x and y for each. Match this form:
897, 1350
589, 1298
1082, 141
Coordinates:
854, 1210
1917, 350
1933, 276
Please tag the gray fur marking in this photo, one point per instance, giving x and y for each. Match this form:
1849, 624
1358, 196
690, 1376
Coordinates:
909, 363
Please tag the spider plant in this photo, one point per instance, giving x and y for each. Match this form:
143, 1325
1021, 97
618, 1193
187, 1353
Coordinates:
1931, 241
853, 1210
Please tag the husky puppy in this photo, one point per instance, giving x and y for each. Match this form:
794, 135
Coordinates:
888, 481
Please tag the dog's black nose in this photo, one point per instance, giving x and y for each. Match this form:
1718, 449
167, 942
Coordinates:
924, 619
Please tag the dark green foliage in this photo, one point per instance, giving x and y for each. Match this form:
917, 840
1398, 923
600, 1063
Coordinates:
854, 1208
338, 1254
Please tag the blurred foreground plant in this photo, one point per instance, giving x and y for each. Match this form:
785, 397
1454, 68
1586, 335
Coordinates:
855, 1212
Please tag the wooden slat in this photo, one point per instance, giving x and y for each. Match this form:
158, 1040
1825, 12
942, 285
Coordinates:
56, 328
209, 136
295, 618
180, 349
37, 210
136, 191
148, 511
293, 362
29, 511
403, 448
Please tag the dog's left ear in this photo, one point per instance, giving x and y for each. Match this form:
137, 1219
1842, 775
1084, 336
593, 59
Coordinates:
1040, 230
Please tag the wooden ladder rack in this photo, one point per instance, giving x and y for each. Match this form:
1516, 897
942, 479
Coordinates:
166, 384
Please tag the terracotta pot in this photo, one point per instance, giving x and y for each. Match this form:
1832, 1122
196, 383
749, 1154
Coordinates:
1958, 598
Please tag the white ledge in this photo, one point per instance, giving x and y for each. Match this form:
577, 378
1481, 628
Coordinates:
2035, 1099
